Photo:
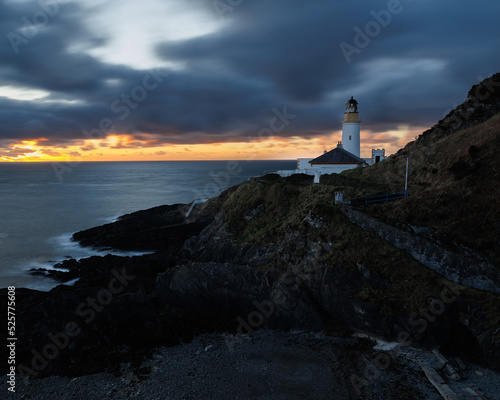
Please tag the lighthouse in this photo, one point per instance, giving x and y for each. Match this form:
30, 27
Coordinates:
351, 127
345, 156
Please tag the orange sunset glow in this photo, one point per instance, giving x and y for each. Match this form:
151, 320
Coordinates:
129, 148
175, 80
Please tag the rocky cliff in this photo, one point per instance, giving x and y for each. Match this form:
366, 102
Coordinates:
278, 253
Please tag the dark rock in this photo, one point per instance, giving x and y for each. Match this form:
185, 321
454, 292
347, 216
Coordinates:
482, 102
242, 296
467, 270
37, 272
205, 275
161, 228
70, 265
295, 179
269, 178
300, 179
98, 271
73, 331
60, 276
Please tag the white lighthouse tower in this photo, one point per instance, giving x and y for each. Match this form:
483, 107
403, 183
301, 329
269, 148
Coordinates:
351, 127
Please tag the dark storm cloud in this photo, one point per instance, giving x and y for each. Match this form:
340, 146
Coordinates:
37, 52
427, 57
269, 58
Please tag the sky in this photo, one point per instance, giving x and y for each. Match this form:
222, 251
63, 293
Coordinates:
120, 80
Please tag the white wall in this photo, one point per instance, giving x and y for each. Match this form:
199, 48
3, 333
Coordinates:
303, 163
378, 152
333, 169
318, 170
351, 137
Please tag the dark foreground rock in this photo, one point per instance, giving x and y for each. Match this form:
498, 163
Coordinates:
270, 365
314, 271
278, 253
71, 331
159, 228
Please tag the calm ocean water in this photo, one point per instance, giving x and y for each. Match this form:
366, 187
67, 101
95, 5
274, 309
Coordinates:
40, 208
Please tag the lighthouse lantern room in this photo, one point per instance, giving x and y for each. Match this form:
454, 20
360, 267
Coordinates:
351, 127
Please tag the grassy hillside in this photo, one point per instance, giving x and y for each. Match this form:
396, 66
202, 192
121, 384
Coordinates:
265, 213
293, 218
454, 183
454, 179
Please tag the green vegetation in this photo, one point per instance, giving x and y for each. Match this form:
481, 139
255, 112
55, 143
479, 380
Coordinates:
454, 182
264, 213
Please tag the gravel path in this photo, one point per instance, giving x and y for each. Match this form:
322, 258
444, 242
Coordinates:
266, 365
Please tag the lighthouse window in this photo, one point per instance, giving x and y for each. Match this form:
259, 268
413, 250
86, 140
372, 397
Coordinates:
349, 137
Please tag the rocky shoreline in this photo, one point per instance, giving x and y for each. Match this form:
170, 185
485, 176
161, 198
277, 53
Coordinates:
272, 365
271, 290
208, 275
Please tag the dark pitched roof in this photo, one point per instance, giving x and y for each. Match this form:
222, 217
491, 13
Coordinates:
337, 156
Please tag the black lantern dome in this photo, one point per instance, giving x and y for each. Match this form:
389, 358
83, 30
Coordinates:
351, 106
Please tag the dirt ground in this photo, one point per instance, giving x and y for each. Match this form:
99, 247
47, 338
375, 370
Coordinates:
265, 365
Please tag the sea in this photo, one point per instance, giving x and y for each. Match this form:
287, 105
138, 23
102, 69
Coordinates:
43, 204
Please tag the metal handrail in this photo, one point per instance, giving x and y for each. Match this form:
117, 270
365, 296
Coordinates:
380, 198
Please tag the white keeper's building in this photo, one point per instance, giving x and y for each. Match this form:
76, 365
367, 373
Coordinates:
347, 153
